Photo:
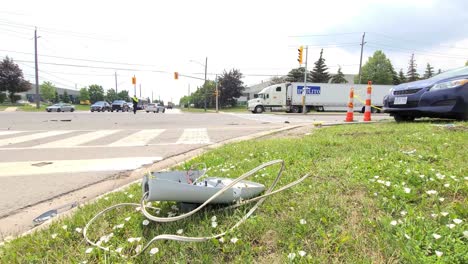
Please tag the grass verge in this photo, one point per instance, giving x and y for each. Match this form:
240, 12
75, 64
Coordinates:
380, 193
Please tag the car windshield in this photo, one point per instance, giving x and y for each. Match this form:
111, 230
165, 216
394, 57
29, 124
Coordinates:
57, 104
451, 73
151, 104
99, 103
119, 102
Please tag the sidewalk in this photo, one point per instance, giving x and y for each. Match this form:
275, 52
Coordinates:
11, 109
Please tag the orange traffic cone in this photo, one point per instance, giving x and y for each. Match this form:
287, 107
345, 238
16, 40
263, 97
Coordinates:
350, 113
367, 112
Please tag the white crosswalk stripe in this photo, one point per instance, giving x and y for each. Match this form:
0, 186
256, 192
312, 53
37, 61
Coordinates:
21, 139
77, 140
194, 136
140, 138
9, 132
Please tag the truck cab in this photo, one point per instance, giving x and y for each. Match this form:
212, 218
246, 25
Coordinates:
272, 97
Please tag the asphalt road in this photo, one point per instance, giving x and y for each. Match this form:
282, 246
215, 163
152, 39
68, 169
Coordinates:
44, 155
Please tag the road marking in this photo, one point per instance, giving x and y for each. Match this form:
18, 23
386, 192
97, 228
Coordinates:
25, 168
9, 132
77, 140
194, 136
15, 140
140, 138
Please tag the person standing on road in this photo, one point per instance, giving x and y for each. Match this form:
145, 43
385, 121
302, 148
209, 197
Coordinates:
135, 103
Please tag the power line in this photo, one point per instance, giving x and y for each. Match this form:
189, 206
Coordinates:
413, 41
324, 35
409, 51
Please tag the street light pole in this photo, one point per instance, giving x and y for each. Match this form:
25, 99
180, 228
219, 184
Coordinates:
217, 93
38, 100
204, 84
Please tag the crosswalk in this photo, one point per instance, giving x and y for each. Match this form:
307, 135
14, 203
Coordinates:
100, 138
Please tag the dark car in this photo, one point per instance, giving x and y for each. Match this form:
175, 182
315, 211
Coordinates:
100, 106
119, 105
444, 96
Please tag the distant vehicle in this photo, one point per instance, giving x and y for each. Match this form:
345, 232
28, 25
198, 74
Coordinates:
169, 105
319, 96
130, 106
100, 106
119, 105
60, 107
155, 108
444, 95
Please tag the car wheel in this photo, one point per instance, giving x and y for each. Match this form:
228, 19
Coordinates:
258, 109
72, 110
48, 111
59, 110
92, 111
296, 109
147, 111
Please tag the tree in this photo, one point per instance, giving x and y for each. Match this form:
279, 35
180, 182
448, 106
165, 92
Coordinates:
429, 72
66, 97
96, 93
377, 69
12, 80
56, 97
123, 95
297, 75
276, 80
47, 91
395, 78
439, 71
412, 73
339, 77
401, 76
466, 63
319, 73
84, 94
111, 95
230, 87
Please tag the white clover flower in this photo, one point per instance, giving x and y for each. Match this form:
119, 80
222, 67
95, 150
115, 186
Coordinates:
457, 221
440, 176
145, 222
138, 248
444, 213
450, 226
387, 183
214, 224
154, 251
431, 179
431, 192
291, 256
407, 237
53, 236
88, 250
180, 231
149, 204
375, 194
407, 190
421, 176
118, 250
376, 176
441, 199
436, 236
118, 226
403, 213
138, 208
221, 239
465, 234
128, 218
174, 208
302, 221
78, 230
434, 215
213, 219
130, 196
393, 223
302, 253
439, 253
64, 227
447, 185
234, 240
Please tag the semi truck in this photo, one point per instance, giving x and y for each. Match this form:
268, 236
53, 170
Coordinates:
318, 96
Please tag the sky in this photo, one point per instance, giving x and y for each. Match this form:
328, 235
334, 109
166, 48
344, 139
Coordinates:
89, 42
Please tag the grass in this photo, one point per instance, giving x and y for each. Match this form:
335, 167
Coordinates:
237, 109
379, 193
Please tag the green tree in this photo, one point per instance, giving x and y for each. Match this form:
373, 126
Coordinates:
12, 80
412, 74
319, 73
56, 97
84, 94
230, 87
297, 75
66, 97
123, 95
111, 95
401, 76
429, 71
276, 80
395, 78
339, 77
47, 91
96, 93
377, 69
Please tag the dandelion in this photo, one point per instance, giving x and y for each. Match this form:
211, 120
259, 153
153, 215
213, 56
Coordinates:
439, 253
436, 236
450, 226
444, 213
407, 237
234, 240
446, 185
145, 222
180, 231
89, 250
393, 223
64, 227
302, 253
430, 192
303, 222
213, 219
221, 240
127, 219
78, 230
407, 190
403, 213
214, 224
154, 251
291, 256
118, 226
457, 221
54, 236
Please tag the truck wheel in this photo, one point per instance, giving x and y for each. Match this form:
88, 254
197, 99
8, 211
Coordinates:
295, 109
259, 109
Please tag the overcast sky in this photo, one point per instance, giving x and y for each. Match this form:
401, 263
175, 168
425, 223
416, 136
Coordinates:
155, 38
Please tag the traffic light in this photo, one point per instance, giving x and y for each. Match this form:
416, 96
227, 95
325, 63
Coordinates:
300, 50
176, 75
133, 80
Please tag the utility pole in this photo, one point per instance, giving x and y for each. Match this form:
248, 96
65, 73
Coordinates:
38, 100
188, 97
304, 91
217, 93
204, 84
140, 90
151, 95
362, 48
115, 82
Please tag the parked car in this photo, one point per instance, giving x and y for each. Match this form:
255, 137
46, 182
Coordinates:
100, 106
155, 108
130, 106
119, 105
444, 95
60, 107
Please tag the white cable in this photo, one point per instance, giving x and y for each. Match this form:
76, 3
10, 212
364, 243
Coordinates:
259, 199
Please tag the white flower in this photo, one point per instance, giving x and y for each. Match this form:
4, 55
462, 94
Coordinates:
149, 204
132, 239
446, 185
221, 240
303, 222
130, 196
375, 194
138, 208
302, 253
457, 221
465, 234
387, 183
234, 240
441, 199
291, 256
466, 178
213, 219
138, 248
180, 231
145, 222
393, 223
430, 192
78, 230
403, 213
439, 253
106, 198
407, 190
84, 262
88, 250
118, 250
407, 237
128, 218
154, 251
214, 224
436, 236
421, 176
174, 208
440, 176
118, 226
444, 213
376, 177
64, 227
434, 215
450, 226
54, 236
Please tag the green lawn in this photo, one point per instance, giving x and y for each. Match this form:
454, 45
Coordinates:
379, 193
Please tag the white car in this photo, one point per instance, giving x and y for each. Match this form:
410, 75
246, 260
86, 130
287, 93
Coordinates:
155, 108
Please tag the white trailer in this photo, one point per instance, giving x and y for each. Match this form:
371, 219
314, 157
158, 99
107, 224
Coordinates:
318, 96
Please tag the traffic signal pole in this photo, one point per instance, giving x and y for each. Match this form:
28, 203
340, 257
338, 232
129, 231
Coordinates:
305, 83
37, 97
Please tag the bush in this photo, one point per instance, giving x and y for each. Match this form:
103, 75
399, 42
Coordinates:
2, 98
